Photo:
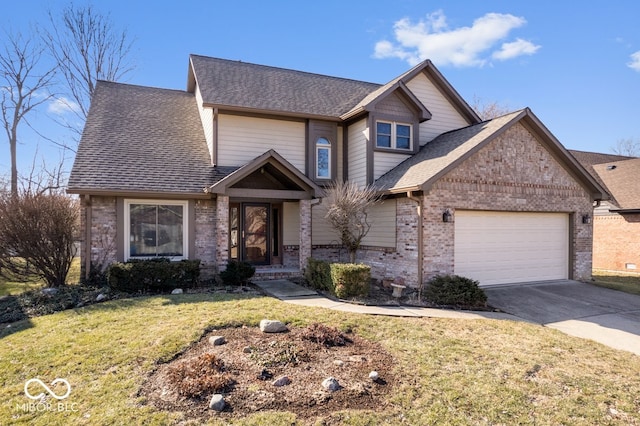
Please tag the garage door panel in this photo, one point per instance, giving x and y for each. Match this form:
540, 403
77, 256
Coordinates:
500, 247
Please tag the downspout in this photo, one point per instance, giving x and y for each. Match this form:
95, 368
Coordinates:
87, 236
420, 241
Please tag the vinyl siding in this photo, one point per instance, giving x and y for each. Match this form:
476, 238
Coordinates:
206, 116
385, 161
382, 217
357, 151
339, 155
321, 232
291, 224
444, 116
241, 139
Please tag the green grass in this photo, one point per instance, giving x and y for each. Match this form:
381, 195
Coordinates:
621, 282
448, 372
15, 286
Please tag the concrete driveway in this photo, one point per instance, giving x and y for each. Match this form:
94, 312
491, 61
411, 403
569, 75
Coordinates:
583, 310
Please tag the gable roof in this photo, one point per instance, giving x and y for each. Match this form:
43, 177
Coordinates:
242, 86
237, 85
142, 140
445, 152
622, 179
304, 187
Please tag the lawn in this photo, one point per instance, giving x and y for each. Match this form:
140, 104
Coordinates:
15, 286
626, 283
446, 371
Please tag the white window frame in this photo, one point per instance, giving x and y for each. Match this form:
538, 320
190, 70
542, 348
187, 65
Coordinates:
127, 227
319, 147
394, 135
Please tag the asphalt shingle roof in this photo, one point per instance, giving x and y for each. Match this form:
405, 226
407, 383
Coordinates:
622, 179
143, 139
258, 87
436, 156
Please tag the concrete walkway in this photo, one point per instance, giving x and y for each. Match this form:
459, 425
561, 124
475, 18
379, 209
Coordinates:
292, 293
582, 310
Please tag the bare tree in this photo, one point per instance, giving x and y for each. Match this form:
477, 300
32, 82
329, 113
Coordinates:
488, 110
629, 147
37, 234
348, 211
24, 87
86, 47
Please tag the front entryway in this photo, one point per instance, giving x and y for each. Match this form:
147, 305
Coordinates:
254, 234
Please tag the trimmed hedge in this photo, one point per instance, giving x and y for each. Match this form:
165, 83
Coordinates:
350, 279
318, 274
455, 290
153, 275
237, 273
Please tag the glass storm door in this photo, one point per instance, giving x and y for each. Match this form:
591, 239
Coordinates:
255, 234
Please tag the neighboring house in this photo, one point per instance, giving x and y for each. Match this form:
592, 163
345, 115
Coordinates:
233, 168
616, 222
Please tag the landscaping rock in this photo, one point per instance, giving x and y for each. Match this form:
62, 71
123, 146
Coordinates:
272, 326
101, 297
357, 358
217, 340
49, 291
265, 375
282, 381
374, 376
331, 384
338, 362
177, 291
217, 402
247, 349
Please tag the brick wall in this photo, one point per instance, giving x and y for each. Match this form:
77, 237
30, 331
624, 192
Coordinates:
512, 173
205, 236
616, 242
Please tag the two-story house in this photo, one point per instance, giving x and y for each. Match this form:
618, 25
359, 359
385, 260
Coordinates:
233, 168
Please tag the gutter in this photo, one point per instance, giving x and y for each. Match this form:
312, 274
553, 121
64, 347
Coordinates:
420, 240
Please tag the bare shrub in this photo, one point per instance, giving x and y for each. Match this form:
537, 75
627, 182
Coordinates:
37, 235
324, 335
198, 376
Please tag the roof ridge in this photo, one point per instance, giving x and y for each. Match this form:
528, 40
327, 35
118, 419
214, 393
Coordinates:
239, 61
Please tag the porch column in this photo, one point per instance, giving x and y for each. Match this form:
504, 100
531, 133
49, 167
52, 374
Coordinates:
305, 232
222, 231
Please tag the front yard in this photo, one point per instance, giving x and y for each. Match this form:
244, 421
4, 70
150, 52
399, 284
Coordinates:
444, 371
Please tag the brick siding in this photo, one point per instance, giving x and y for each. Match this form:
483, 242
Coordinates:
616, 242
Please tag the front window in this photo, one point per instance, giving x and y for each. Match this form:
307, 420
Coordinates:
323, 159
393, 135
156, 229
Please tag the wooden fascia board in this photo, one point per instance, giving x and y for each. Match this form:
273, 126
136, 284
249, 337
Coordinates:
268, 193
140, 194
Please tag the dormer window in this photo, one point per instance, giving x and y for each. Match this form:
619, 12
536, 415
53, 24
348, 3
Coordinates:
393, 135
323, 158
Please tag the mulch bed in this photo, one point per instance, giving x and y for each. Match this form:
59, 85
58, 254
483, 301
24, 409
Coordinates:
249, 355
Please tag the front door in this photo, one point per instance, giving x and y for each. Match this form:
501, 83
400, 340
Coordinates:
255, 233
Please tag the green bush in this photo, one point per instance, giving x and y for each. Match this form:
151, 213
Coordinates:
237, 273
350, 279
455, 290
153, 275
318, 274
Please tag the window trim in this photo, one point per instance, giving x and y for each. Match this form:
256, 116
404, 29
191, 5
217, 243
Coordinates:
394, 136
328, 146
155, 202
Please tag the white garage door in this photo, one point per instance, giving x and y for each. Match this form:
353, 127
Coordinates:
500, 248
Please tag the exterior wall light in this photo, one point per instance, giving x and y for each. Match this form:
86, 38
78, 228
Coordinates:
447, 216
586, 219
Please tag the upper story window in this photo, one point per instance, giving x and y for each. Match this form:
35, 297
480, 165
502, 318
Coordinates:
393, 135
155, 229
323, 159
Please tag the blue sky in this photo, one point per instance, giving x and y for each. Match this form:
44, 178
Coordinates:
573, 66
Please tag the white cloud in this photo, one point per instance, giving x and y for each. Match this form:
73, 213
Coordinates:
514, 49
432, 38
635, 61
62, 105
